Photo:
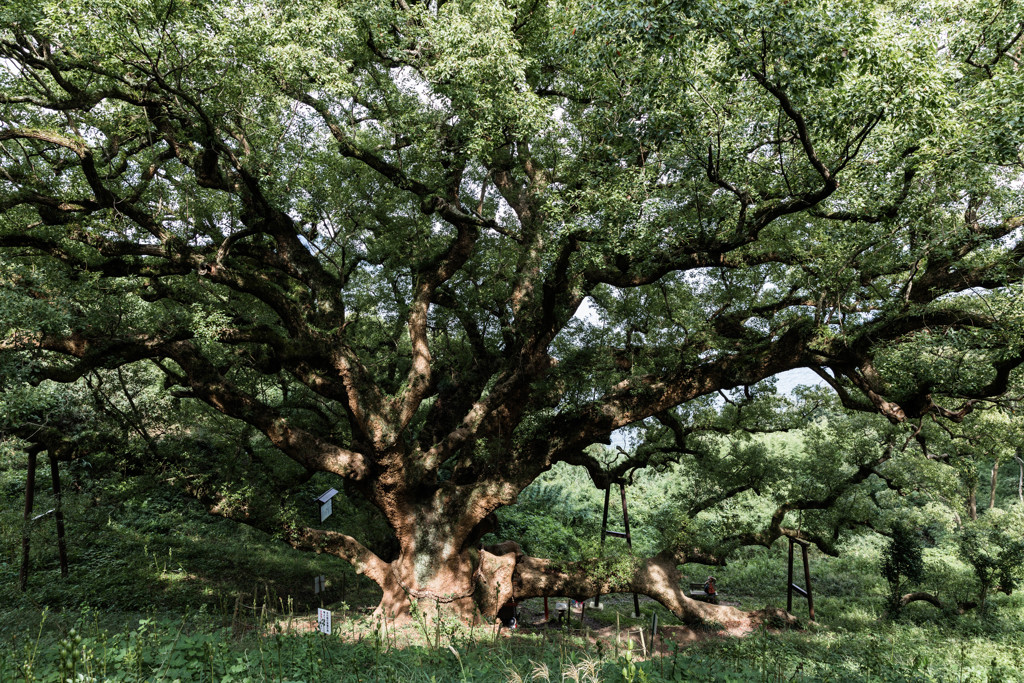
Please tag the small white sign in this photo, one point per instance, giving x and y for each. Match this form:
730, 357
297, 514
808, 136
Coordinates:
325, 503
323, 620
319, 584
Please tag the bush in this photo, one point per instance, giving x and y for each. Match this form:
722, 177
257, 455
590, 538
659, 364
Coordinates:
993, 546
902, 564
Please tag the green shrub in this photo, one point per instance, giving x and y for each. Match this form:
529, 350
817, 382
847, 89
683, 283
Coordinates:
993, 546
902, 564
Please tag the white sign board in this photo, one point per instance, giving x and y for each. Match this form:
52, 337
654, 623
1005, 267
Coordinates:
325, 503
319, 584
323, 620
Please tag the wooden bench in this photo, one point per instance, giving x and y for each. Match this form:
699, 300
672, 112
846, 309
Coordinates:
697, 593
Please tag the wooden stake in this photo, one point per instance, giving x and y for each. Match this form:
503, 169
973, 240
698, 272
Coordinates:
807, 582
629, 542
789, 580
604, 525
62, 547
30, 491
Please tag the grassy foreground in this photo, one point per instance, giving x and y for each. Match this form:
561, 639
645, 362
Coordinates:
161, 591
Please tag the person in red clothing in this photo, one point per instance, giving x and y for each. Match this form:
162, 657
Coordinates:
711, 591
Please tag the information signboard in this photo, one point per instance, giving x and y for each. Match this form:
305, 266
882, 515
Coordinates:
326, 508
323, 620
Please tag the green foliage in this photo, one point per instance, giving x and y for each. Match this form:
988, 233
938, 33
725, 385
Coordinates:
994, 547
253, 250
558, 516
272, 245
162, 650
902, 563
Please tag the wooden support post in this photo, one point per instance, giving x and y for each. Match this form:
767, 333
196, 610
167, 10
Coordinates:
1020, 477
62, 547
604, 526
625, 514
789, 580
30, 492
617, 534
604, 519
629, 542
805, 591
807, 582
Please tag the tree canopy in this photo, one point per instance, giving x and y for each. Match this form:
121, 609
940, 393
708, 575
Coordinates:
436, 248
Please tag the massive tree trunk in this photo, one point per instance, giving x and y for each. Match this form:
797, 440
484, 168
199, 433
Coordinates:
474, 584
438, 567
441, 569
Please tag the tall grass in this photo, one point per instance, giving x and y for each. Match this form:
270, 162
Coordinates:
162, 650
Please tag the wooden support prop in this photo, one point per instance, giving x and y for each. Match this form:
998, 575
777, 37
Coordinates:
807, 582
28, 520
605, 532
30, 493
789, 580
792, 587
58, 513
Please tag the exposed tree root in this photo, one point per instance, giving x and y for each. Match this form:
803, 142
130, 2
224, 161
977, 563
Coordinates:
961, 607
657, 577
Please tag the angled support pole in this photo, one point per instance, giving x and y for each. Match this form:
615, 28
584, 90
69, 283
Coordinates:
26, 528
792, 587
58, 513
29, 520
617, 534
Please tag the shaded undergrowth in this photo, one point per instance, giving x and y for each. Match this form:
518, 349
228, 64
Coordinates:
161, 591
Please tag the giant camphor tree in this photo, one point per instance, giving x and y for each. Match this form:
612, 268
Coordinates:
435, 248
